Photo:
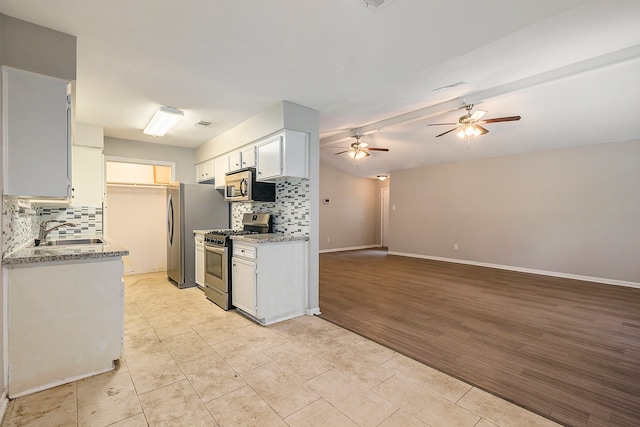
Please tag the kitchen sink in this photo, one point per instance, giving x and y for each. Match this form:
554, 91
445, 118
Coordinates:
69, 242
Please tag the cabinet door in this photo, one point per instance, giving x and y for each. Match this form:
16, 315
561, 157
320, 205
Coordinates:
199, 262
88, 179
235, 161
243, 293
270, 158
200, 172
249, 157
221, 168
205, 171
37, 147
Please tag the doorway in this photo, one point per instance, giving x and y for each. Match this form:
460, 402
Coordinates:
135, 211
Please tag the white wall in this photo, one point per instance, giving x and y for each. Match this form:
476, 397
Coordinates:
352, 217
574, 211
184, 158
130, 173
136, 221
38, 49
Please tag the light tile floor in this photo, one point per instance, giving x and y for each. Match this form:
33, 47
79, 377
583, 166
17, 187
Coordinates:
188, 363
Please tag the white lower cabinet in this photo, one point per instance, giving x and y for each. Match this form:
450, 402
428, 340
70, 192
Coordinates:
199, 238
65, 321
268, 280
244, 295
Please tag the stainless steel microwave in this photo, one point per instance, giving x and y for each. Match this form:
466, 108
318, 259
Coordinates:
241, 186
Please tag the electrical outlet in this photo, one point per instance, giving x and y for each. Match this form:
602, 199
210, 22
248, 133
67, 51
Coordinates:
455, 246
328, 239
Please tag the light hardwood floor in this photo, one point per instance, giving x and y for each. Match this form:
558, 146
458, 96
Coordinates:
189, 363
566, 349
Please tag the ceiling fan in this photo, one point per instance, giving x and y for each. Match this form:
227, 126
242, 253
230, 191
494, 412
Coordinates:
359, 150
470, 124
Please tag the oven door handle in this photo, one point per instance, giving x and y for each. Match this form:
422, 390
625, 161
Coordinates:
222, 250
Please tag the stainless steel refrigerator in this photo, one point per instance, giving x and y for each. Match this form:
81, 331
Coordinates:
191, 207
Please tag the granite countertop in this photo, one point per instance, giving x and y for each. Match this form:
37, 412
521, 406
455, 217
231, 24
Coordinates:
29, 254
201, 231
269, 238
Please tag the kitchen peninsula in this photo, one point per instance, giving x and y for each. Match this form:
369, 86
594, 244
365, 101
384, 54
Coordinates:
65, 313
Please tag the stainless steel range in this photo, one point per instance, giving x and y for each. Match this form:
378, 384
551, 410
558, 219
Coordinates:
218, 251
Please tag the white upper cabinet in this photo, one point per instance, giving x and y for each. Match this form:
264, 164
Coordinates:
235, 161
205, 171
222, 167
241, 159
36, 135
88, 178
248, 157
284, 155
87, 165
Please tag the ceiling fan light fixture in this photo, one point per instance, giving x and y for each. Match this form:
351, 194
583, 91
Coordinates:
469, 130
358, 154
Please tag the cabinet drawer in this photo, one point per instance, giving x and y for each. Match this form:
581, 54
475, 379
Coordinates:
244, 251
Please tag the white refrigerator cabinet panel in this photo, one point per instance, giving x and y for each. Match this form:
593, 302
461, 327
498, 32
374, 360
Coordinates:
65, 322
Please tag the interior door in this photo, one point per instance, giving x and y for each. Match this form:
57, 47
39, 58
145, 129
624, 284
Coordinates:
384, 217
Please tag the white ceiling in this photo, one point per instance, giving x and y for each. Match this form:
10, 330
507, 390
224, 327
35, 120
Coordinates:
570, 68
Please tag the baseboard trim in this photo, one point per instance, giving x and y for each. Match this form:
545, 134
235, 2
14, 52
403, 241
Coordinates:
4, 401
312, 311
352, 248
524, 270
61, 382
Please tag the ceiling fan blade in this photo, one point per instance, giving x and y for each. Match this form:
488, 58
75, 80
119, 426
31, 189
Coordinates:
477, 115
443, 124
482, 130
502, 119
375, 149
444, 133
342, 152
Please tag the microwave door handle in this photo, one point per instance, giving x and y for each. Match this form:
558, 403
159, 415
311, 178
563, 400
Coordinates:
243, 181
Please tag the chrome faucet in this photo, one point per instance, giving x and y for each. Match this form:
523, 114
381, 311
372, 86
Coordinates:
44, 231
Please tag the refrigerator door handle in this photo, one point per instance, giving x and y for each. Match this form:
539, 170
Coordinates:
170, 222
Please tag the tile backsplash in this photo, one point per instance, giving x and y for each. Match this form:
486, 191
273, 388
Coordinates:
290, 211
22, 218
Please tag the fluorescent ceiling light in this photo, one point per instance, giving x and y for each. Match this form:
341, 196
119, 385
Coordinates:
163, 120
